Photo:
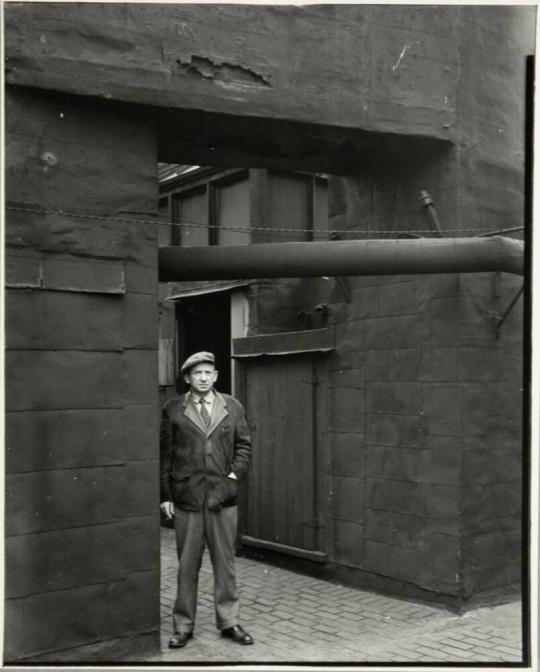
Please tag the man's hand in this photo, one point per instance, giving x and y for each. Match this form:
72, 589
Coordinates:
168, 509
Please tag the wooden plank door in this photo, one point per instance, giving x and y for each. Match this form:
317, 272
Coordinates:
284, 486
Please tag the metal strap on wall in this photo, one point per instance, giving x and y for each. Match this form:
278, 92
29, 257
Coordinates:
285, 343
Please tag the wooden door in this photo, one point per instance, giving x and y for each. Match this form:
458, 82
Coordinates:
285, 408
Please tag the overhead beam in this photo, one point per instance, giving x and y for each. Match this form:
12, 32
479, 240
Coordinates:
338, 258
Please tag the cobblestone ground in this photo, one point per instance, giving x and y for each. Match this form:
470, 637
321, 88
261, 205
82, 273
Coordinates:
296, 618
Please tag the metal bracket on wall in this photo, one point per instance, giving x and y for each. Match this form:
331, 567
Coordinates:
502, 318
427, 204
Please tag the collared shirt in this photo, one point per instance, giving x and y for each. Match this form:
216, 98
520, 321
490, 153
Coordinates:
208, 400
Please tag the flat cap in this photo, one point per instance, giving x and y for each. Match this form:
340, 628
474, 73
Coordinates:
197, 358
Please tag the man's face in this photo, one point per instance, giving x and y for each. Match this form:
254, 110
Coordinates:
201, 377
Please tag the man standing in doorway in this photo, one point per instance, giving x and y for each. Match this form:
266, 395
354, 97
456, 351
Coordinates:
205, 448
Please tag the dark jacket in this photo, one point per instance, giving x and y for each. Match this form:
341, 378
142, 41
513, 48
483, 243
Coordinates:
195, 461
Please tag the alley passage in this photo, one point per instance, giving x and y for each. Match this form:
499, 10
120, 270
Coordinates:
296, 618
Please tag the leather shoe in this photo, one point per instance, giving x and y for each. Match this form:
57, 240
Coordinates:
237, 634
179, 639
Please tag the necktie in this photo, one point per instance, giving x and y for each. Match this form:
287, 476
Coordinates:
204, 413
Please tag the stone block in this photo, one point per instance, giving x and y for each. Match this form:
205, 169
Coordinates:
15, 636
408, 297
348, 454
349, 543
443, 405
140, 377
506, 413
398, 496
141, 431
60, 620
141, 542
46, 380
142, 243
445, 560
445, 465
140, 321
495, 549
140, 487
477, 295
440, 364
386, 333
406, 430
141, 279
48, 440
489, 464
405, 564
396, 529
479, 407
511, 362
393, 365
361, 281
52, 500
92, 235
393, 397
348, 410
486, 508
349, 352
481, 364
74, 120
23, 270
70, 164
345, 379
49, 561
80, 274
445, 509
492, 578
437, 81
401, 464
439, 322
365, 303
132, 604
62, 321
70, 558
348, 498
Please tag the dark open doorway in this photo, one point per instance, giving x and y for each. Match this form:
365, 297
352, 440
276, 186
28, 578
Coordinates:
204, 323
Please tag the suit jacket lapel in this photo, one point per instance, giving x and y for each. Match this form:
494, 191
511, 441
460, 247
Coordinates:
219, 413
192, 413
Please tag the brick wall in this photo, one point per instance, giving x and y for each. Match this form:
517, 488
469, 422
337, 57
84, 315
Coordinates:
82, 546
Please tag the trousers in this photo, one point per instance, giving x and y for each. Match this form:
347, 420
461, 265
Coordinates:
195, 530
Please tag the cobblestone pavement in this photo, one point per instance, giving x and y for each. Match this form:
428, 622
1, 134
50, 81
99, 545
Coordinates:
299, 619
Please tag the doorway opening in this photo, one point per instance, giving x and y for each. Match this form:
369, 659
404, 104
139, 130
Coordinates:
204, 323
208, 205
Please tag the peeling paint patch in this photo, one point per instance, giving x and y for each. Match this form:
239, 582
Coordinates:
224, 72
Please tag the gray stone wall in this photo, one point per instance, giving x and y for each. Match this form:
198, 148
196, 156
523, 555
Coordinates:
82, 546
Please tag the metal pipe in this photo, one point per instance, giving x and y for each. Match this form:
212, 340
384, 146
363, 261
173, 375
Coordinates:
343, 257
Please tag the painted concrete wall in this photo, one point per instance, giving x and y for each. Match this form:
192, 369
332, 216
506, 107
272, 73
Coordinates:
82, 546
356, 66
490, 165
426, 401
